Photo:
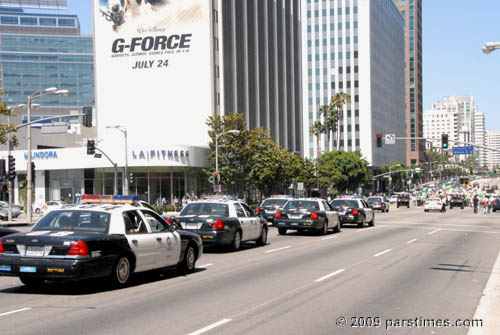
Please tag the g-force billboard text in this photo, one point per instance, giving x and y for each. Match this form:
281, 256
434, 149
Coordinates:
153, 70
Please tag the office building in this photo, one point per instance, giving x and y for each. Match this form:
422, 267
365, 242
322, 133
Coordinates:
208, 57
40, 4
355, 47
440, 121
411, 10
480, 139
493, 142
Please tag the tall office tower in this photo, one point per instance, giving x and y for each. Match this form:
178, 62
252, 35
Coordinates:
355, 47
493, 141
259, 61
411, 10
480, 138
40, 51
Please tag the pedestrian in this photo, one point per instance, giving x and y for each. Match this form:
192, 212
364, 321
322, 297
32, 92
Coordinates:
443, 206
486, 204
164, 204
176, 204
184, 201
475, 201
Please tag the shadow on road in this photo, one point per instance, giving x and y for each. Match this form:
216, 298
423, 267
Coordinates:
96, 286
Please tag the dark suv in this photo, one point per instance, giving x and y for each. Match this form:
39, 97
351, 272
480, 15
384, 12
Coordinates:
404, 200
457, 200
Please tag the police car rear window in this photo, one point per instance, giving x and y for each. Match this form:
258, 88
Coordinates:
344, 203
301, 204
205, 209
71, 220
274, 202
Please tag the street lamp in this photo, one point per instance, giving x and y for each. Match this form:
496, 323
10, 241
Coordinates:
490, 46
124, 131
232, 131
33, 96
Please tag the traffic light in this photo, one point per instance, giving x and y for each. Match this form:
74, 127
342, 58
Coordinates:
12, 168
87, 118
131, 178
379, 140
2, 168
90, 147
216, 178
444, 141
33, 172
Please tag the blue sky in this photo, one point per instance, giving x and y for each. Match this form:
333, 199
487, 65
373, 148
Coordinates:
453, 64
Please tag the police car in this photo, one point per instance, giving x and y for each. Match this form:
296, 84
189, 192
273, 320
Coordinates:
223, 222
106, 237
269, 206
307, 214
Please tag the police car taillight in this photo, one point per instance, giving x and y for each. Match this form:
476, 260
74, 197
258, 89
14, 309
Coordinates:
257, 210
314, 216
80, 248
1, 247
169, 221
355, 212
218, 225
278, 215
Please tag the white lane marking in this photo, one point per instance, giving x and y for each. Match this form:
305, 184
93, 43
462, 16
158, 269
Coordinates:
206, 265
382, 252
411, 241
210, 327
274, 250
366, 229
16, 311
330, 275
444, 229
434, 231
328, 238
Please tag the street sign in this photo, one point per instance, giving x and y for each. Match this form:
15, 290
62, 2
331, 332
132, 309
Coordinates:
390, 139
463, 150
300, 186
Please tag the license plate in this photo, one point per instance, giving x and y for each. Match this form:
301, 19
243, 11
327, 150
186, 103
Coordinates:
295, 216
35, 251
295, 224
30, 269
193, 225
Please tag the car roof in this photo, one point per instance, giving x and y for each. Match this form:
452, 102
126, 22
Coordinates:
100, 207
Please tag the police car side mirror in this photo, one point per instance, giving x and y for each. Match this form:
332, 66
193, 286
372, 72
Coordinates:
172, 228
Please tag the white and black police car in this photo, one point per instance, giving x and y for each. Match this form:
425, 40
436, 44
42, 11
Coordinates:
223, 222
107, 236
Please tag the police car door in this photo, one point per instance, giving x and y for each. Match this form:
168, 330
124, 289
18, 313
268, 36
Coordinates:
141, 241
245, 222
330, 214
368, 211
254, 221
168, 243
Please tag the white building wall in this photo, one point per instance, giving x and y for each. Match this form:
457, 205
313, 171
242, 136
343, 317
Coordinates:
440, 121
480, 138
493, 141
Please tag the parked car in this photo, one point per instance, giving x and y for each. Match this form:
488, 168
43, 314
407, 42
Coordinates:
269, 206
378, 202
307, 214
354, 211
15, 209
48, 206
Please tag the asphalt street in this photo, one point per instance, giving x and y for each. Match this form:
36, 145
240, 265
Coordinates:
413, 273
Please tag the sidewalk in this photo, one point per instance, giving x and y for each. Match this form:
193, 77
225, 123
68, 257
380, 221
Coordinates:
20, 221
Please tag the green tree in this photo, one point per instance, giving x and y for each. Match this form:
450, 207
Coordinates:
232, 159
397, 178
341, 170
6, 129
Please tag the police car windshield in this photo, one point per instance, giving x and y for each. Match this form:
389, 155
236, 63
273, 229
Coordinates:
72, 220
274, 202
205, 208
344, 203
301, 204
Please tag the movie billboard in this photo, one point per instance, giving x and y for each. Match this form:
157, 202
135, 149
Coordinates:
153, 71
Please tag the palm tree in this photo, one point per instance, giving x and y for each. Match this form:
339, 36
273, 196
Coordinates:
337, 104
325, 111
317, 129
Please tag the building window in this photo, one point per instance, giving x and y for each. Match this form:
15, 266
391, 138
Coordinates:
66, 22
29, 21
9, 20
48, 22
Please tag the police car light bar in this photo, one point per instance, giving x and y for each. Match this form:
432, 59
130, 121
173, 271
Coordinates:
108, 199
